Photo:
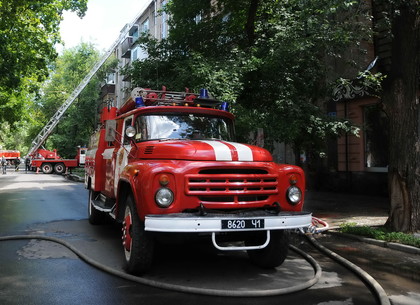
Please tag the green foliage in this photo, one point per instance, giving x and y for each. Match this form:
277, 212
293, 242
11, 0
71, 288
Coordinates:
13, 137
268, 58
381, 233
15, 120
29, 31
78, 122
367, 81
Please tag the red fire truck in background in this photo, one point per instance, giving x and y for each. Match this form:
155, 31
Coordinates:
165, 165
49, 161
10, 154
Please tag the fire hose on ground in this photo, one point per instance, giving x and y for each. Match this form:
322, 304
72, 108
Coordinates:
369, 281
374, 286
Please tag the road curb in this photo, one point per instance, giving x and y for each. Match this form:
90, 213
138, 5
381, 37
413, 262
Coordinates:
380, 243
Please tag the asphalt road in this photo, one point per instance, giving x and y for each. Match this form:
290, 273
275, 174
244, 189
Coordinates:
42, 272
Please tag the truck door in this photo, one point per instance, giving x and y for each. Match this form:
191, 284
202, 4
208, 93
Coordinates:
82, 156
121, 155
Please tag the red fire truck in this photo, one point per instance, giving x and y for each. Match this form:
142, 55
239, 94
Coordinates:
10, 155
49, 161
165, 165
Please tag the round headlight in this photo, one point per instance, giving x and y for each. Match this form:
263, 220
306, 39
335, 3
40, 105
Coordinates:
164, 197
294, 195
130, 131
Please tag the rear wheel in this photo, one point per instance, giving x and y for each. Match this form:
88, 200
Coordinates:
96, 217
138, 244
59, 168
47, 168
274, 254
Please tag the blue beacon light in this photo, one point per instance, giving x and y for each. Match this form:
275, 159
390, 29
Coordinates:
224, 106
139, 102
204, 93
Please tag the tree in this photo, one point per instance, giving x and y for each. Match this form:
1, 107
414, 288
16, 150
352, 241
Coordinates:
29, 31
14, 136
77, 123
401, 100
268, 58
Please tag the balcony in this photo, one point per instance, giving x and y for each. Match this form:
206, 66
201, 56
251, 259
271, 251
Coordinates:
107, 89
126, 47
134, 32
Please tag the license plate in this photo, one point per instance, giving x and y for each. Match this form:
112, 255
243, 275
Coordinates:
240, 224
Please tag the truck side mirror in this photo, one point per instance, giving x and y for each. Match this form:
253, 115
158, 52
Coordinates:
110, 127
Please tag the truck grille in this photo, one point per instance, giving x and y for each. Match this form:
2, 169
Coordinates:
149, 150
232, 185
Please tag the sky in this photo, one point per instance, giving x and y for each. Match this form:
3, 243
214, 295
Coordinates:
102, 23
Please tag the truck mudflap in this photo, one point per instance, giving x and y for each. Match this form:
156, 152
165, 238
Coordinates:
212, 223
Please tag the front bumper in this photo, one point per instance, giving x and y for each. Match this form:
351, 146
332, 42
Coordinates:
212, 222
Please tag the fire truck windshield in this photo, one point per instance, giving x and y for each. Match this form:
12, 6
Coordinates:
183, 126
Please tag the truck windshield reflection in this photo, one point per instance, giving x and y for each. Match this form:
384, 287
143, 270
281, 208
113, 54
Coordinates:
178, 126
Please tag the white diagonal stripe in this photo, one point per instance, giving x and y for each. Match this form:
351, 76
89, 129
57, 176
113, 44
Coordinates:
222, 151
107, 154
244, 152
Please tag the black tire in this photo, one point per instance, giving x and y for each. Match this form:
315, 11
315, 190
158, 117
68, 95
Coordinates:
95, 217
138, 244
274, 254
59, 168
47, 168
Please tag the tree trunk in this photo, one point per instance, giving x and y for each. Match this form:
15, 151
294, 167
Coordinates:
401, 99
250, 23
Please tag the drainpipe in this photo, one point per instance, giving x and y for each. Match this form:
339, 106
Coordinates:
348, 173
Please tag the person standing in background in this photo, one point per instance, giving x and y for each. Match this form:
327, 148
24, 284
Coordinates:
3, 165
17, 163
27, 164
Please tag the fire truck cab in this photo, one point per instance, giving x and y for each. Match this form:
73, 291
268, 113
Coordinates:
166, 164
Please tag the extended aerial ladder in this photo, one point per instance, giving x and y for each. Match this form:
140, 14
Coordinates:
49, 127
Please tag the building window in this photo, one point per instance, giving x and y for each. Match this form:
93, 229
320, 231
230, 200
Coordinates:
376, 137
135, 35
138, 53
145, 26
164, 21
110, 78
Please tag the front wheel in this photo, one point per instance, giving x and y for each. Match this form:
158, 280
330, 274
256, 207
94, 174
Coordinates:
138, 244
275, 253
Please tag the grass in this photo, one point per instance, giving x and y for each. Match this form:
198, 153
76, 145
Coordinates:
79, 171
381, 233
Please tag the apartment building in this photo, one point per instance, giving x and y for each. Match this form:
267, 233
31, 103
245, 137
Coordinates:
116, 89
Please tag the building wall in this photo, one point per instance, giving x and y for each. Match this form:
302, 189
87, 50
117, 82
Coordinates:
352, 173
353, 151
350, 148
